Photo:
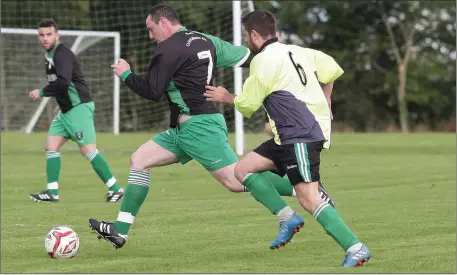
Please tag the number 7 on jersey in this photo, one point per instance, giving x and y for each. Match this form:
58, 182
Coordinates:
203, 55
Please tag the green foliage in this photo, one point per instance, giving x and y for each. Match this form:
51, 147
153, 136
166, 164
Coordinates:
353, 32
27, 14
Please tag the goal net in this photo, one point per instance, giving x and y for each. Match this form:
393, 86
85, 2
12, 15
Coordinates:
22, 68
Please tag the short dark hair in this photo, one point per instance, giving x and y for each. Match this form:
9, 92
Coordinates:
48, 22
261, 21
164, 11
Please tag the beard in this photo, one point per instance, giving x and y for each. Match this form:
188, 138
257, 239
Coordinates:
253, 50
49, 46
252, 47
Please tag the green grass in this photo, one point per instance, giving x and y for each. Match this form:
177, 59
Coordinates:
397, 193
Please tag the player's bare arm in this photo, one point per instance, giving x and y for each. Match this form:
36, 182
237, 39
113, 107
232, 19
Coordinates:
327, 89
219, 94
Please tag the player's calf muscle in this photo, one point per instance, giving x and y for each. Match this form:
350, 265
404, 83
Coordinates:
226, 176
308, 195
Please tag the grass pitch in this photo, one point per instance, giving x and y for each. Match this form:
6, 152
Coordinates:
397, 192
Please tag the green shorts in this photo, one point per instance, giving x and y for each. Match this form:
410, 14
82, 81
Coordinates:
203, 138
76, 124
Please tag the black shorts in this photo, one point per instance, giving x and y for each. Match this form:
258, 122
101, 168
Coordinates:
300, 161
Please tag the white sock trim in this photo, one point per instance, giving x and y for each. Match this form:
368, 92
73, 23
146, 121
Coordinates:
123, 236
53, 185
110, 182
319, 209
247, 176
139, 178
52, 154
125, 217
92, 154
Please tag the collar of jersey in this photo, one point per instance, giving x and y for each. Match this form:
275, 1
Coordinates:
181, 29
51, 52
268, 42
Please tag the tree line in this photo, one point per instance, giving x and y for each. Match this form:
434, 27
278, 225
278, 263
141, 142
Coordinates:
398, 56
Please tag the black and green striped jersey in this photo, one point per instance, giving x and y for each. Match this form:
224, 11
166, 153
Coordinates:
66, 80
181, 67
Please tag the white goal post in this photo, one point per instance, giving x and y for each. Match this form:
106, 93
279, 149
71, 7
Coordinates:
84, 40
238, 79
238, 8
21, 71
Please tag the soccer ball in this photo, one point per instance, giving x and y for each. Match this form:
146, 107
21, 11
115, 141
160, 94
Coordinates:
62, 243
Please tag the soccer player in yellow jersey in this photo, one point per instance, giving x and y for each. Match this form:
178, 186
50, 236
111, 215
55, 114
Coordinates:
283, 79
327, 71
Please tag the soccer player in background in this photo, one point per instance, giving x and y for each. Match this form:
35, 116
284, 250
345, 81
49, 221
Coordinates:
282, 79
182, 65
74, 120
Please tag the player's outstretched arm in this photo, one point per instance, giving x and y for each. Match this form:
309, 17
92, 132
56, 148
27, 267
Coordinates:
255, 90
143, 87
152, 85
252, 97
246, 103
219, 94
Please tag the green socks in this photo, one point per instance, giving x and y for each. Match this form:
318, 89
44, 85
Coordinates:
282, 185
134, 196
101, 167
264, 192
99, 164
335, 226
53, 172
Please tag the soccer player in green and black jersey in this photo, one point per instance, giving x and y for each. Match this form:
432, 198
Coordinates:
182, 65
74, 120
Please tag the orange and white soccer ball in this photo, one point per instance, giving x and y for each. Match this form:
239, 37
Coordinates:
62, 243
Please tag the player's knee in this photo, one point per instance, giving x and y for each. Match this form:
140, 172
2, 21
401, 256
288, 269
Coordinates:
86, 149
51, 147
240, 172
137, 163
